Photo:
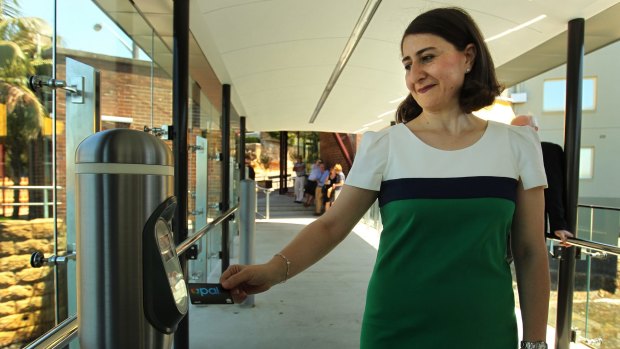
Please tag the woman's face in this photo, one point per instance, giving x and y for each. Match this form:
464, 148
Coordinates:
435, 70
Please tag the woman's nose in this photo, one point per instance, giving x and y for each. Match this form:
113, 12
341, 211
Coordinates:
415, 73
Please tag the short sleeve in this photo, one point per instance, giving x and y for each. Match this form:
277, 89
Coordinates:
528, 154
370, 161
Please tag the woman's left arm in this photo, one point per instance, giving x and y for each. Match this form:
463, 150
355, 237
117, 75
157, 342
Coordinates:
531, 261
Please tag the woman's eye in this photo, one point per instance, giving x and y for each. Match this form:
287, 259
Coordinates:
427, 58
408, 66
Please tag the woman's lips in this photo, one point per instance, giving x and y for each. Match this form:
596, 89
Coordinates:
425, 88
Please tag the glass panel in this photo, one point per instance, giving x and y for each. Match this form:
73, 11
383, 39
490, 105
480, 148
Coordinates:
28, 297
596, 301
134, 91
554, 266
204, 176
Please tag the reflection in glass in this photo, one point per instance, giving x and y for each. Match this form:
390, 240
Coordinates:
26, 197
596, 299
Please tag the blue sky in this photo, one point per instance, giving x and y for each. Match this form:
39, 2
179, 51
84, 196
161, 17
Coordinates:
76, 21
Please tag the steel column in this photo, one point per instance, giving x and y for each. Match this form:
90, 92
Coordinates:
241, 151
247, 226
283, 162
225, 194
180, 78
572, 143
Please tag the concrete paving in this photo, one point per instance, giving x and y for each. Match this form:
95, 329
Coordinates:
321, 307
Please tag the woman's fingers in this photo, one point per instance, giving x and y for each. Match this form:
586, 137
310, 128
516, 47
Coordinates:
244, 280
232, 277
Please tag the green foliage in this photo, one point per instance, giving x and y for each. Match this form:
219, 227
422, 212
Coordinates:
265, 160
10, 9
22, 40
252, 140
274, 135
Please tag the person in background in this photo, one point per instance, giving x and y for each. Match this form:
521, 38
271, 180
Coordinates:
553, 159
300, 179
318, 192
248, 164
328, 194
339, 182
310, 187
451, 187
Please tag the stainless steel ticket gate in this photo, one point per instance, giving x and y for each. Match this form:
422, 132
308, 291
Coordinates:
130, 287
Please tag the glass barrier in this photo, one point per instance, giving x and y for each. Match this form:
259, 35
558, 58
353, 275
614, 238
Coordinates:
372, 217
39, 38
28, 297
596, 299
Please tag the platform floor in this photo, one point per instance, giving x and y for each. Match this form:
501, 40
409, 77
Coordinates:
320, 308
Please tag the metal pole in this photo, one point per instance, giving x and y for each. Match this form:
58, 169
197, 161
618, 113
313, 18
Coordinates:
247, 226
241, 148
267, 193
180, 78
225, 195
572, 143
283, 162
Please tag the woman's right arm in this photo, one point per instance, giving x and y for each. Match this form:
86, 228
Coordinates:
310, 245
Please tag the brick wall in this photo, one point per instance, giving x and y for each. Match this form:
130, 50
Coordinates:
331, 152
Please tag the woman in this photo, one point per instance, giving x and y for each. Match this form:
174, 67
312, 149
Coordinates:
339, 182
328, 188
451, 188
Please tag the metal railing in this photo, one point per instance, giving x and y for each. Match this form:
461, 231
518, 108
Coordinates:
565, 332
58, 337
184, 245
45, 202
267, 192
592, 245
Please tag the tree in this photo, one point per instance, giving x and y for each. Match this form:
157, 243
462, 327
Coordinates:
20, 56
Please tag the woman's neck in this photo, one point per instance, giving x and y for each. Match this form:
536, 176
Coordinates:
453, 121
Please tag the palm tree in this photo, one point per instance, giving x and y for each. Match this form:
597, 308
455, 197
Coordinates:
20, 56
9, 9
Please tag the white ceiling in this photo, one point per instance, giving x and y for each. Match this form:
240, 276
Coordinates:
278, 55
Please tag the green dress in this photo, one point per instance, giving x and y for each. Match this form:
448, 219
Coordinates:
441, 279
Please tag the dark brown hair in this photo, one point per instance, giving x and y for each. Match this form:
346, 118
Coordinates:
456, 26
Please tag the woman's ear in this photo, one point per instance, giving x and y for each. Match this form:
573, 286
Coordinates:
470, 56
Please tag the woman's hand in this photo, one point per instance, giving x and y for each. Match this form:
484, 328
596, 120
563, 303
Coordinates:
244, 280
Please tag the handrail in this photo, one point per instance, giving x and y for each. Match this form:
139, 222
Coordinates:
41, 187
58, 337
29, 203
184, 245
265, 189
267, 192
592, 245
600, 207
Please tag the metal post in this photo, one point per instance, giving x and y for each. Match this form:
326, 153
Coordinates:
572, 143
180, 78
247, 226
283, 162
241, 152
267, 193
225, 194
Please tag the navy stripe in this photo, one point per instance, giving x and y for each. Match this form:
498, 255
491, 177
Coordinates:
448, 188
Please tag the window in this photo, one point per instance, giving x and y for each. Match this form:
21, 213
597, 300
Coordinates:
554, 95
586, 163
